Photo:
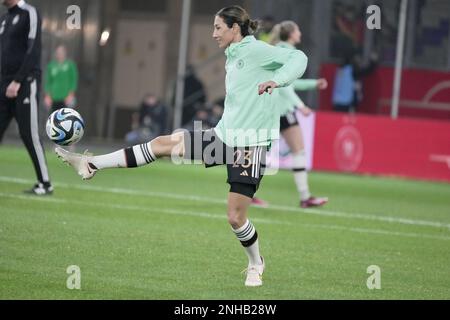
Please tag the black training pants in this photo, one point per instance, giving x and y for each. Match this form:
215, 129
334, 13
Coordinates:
24, 108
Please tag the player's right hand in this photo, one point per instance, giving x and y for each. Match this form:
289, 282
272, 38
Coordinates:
12, 89
322, 84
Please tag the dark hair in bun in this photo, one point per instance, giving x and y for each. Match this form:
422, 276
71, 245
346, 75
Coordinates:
238, 15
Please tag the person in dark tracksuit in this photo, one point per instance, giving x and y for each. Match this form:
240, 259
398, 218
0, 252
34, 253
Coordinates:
20, 42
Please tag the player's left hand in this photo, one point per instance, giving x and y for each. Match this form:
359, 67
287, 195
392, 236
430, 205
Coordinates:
322, 84
267, 86
13, 89
306, 111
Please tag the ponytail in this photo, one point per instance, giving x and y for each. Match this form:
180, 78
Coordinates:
238, 15
274, 36
253, 26
281, 31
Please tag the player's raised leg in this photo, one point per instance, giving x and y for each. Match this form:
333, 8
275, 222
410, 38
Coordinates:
138, 155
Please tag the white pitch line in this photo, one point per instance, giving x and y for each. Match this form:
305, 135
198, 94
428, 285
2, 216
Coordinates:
121, 191
322, 212
222, 217
365, 216
132, 207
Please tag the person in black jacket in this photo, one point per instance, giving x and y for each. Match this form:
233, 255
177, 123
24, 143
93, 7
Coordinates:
20, 42
348, 84
153, 114
149, 122
194, 95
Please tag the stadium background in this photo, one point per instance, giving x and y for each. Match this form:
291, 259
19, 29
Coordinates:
141, 56
408, 219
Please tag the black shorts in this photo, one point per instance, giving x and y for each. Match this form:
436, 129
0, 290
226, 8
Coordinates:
245, 165
288, 120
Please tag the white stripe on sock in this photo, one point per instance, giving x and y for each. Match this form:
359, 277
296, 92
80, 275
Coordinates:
246, 232
138, 154
149, 147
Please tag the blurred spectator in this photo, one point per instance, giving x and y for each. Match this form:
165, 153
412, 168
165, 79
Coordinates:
202, 115
351, 24
348, 89
347, 33
209, 115
194, 95
267, 24
215, 114
149, 122
61, 81
360, 71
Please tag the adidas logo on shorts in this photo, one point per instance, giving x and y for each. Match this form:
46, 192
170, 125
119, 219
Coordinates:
244, 173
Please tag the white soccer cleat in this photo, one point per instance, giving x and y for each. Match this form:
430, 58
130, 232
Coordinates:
80, 162
254, 275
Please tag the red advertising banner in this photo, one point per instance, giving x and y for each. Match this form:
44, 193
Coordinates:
379, 145
424, 93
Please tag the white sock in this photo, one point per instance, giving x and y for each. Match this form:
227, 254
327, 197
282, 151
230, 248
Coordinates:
301, 175
248, 237
131, 157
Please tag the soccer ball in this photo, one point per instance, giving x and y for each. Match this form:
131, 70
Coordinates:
65, 127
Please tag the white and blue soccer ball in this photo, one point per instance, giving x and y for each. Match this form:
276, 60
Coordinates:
65, 126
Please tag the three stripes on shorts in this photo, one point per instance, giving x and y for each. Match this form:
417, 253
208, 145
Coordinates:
256, 162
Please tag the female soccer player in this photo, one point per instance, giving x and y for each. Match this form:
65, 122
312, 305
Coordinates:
286, 35
249, 123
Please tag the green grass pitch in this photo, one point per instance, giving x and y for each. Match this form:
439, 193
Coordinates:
160, 232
